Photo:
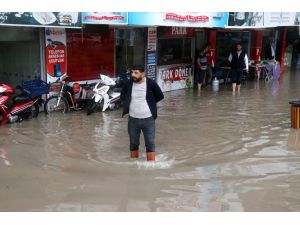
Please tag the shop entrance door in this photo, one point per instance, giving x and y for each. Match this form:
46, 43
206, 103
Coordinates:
130, 48
19, 55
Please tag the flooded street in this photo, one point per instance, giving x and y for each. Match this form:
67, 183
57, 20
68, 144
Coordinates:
215, 152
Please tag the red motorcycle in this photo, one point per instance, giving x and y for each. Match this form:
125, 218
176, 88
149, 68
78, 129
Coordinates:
20, 107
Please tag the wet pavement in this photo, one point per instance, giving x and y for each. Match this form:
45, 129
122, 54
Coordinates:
215, 152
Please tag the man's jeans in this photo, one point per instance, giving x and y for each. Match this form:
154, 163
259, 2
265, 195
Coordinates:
135, 126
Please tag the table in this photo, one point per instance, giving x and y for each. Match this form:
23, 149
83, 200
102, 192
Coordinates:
224, 68
274, 69
261, 68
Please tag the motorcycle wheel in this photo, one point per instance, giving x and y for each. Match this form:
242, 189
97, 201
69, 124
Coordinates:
50, 105
91, 107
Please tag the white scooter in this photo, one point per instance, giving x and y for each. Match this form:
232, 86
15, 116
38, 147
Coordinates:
105, 95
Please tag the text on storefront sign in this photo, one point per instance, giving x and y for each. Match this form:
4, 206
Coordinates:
190, 18
104, 18
175, 73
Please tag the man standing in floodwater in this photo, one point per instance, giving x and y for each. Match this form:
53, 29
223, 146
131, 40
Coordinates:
139, 97
238, 60
204, 66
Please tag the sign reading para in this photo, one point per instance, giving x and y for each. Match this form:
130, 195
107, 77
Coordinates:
177, 32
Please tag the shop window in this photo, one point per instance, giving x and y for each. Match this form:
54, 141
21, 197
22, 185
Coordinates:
90, 53
19, 55
130, 48
174, 51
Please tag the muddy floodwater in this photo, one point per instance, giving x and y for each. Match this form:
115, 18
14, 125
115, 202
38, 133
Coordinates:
215, 152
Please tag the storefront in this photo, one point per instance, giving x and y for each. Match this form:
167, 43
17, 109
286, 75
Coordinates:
104, 45
28, 49
262, 45
175, 57
20, 55
43, 45
171, 44
103, 49
267, 36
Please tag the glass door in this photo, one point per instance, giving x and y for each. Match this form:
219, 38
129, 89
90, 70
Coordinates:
130, 48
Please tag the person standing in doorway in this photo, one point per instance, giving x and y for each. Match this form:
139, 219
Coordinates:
203, 66
239, 61
139, 97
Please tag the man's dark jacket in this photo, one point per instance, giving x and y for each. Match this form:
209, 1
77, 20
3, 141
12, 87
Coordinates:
153, 95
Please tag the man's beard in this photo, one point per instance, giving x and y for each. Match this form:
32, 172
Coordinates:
137, 80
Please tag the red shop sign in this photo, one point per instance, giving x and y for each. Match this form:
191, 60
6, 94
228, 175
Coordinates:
177, 32
56, 59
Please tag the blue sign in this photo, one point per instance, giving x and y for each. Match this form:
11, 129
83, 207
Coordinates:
204, 19
151, 71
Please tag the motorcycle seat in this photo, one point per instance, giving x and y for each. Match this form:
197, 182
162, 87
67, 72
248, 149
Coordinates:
21, 99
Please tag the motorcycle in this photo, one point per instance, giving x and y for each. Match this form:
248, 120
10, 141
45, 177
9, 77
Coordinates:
21, 106
65, 97
105, 95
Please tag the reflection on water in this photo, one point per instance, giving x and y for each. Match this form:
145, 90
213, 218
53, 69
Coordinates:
216, 152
